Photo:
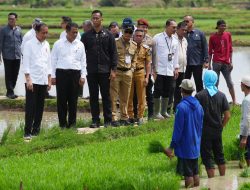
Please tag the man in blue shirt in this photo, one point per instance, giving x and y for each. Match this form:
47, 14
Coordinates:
186, 138
197, 53
10, 48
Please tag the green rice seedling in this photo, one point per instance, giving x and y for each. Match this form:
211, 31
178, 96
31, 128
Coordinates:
156, 147
5, 135
245, 172
241, 153
245, 186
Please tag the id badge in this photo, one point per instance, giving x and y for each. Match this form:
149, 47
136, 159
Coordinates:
127, 59
170, 57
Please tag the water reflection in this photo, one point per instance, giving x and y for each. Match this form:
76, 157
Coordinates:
15, 118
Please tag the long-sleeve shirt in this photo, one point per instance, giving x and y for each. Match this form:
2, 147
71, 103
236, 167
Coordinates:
10, 42
182, 52
28, 36
64, 34
220, 46
101, 51
245, 117
197, 50
37, 61
67, 55
165, 46
188, 125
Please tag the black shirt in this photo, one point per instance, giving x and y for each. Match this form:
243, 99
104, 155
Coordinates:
213, 107
100, 50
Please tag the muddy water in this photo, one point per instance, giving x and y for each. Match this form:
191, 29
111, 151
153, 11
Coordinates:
15, 118
231, 181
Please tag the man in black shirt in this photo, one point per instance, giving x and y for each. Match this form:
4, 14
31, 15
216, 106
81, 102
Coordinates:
216, 116
101, 57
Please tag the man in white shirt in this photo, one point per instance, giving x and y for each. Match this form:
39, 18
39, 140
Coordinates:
37, 70
165, 67
65, 21
245, 118
181, 31
31, 33
68, 72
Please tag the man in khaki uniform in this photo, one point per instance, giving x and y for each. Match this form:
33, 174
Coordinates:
148, 40
139, 80
126, 49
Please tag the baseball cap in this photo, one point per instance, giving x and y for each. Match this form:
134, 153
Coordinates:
220, 22
113, 24
37, 21
246, 80
127, 22
187, 85
142, 21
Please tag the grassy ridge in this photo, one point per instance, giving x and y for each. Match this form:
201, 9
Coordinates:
103, 160
206, 18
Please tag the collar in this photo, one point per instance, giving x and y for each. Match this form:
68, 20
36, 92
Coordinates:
166, 36
67, 41
38, 42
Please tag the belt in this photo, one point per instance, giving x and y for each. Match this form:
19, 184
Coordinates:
68, 70
123, 69
138, 69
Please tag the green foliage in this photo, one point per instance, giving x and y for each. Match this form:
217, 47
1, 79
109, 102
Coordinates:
245, 186
245, 172
155, 147
5, 135
113, 3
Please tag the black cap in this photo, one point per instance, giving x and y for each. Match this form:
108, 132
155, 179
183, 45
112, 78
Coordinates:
220, 22
113, 24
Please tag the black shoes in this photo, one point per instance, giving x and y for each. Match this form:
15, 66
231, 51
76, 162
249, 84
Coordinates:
115, 124
12, 96
94, 125
125, 122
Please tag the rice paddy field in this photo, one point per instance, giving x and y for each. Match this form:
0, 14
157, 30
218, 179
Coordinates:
205, 18
111, 158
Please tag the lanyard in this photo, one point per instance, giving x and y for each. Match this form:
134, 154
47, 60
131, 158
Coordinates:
169, 46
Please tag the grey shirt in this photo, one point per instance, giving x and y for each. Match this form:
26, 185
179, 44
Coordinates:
245, 117
10, 42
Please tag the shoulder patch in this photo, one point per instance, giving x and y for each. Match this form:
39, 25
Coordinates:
145, 46
133, 42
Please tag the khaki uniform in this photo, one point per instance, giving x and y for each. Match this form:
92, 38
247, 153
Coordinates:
122, 83
143, 57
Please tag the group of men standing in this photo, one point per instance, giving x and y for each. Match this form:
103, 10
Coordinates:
124, 66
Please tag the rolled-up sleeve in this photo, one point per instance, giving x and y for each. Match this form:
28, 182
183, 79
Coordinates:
26, 59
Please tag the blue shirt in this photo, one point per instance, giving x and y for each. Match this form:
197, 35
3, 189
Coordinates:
188, 124
10, 42
197, 50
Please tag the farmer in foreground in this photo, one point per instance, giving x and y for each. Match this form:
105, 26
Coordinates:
186, 138
216, 116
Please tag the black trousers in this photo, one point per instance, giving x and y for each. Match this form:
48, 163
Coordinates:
34, 108
177, 91
67, 86
11, 69
196, 70
100, 81
163, 85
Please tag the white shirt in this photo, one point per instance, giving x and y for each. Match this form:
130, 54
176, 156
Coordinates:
28, 36
182, 52
64, 34
66, 55
163, 46
37, 61
245, 117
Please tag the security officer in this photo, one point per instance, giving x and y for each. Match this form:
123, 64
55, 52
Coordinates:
126, 49
139, 80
